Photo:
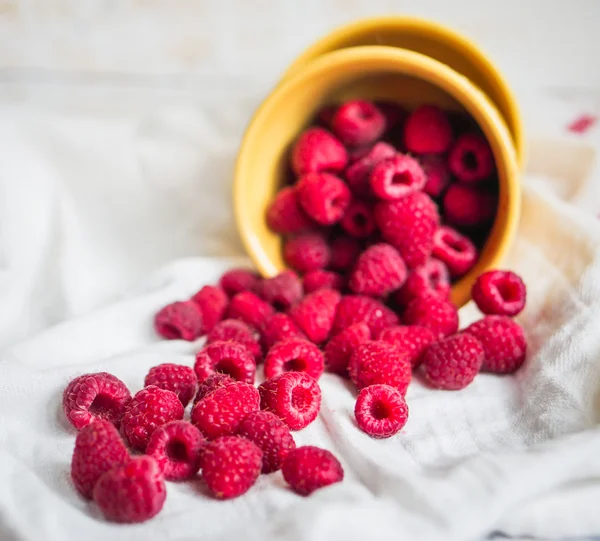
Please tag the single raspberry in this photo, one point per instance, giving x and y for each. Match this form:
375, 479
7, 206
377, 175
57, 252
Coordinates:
231, 358
280, 327
235, 281
394, 114
212, 383
456, 251
344, 252
294, 355
358, 174
499, 292
396, 177
150, 408
468, 206
324, 197
322, 279
230, 466
132, 492
221, 411
453, 362
295, 397
408, 224
358, 123
307, 252
92, 397
249, 308
98, 448
431, 278
309, 468
318, 150
427, 131
176, 378
439, 315
177, 448
437, 173
378, 271
179, 321
358, 220
339, 349
412, 339
380, 411
503, 341
285, 215
281, 291
271, 435
360, 309
379, 362
471, 159
212, 301
234, 330
315, 313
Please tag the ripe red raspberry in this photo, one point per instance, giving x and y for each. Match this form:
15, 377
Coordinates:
309, 468
280, 327
179, 321
231, 358
503, 341
150, 408
408, 224
359, 173
471, 159
221, 411
380, 411
176, 378
439, 315
360, 309
212, 383
318, 150
322, 279
358, 123
324, 197
234, 330
98, 448
285, 215
412, 339
235, 281
396, 177
499, 292
358, 220
249, 308
294, 355
281, 291
453, 362
456, 251
92, 397
212, 302
177, 447
295, 397
427, 131
315, 313
379, 362
270, 434
230, 466
378, 271
394, 114
431, 278
467, 206
344, 252
307, 252
437, 173
339, 349
132, 492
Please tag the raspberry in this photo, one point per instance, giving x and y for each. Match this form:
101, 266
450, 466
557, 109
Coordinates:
394, 114
470, 159
432, 278
150, 408
318, 150
358, 123
437, 173
411, 339
176, 378
358, 220
342, 345
323, 197
91, 397
499, 292
270, 434
98, 448
235, 281
250, 309
212, 302
315, 314
176, 447
503, 342
294, 355
285, 215
234, 330
358, 174
439, 315
221, 411
379, 362
229, 358
396, 177
281, 291
344, 252
408, 224
179, 321
280, 327
230, 466
295, 397
358, 309
132, 492
322, 279
468, 206
455, 250
380, 411
212, 383
427, 131
378, 271
307, 252
309, 468
453, 362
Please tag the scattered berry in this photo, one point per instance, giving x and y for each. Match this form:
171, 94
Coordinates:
212, 383
237, 280
344, 252
315, 314
231, 358
470, 159
467, 206
439, 315
322, 279
358, 123
427, 131
396, 177
212, 302
411, 339
380, 411
294, 355
307, 252
431, 278
437, 173
358, 174
456, 251
281, 291
324, 197
318, 150
285, 215
250, 308
234, 330
378, 271
499, 292
179, 321
342, 345
280, 327
358, 220
176, 378
309, 468
360, 309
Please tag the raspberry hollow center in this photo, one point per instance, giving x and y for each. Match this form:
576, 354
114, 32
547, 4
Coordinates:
102, 406
301, 399
229, 368
176, 451
402, 179
294, 365
170, 332
509, 292
469, 160
380, 410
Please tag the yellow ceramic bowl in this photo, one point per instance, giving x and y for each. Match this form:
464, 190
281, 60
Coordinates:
371, 72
